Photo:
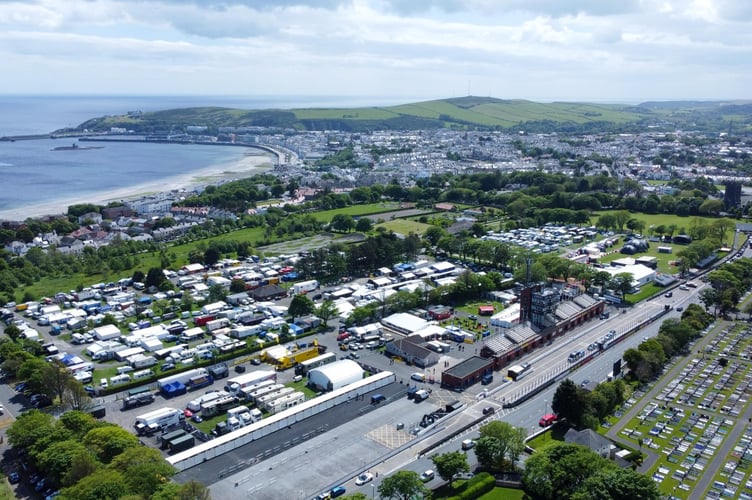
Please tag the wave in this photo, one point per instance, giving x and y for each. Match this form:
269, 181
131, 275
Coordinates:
5, 164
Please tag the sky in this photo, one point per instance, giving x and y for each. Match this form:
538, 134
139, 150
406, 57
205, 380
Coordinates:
624, 51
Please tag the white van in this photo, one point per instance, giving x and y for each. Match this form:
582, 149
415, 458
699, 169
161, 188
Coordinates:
103, 383
77, 338
124, 369
120, 379
143, 374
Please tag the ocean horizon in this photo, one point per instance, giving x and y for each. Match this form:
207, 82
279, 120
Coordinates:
38, 175
42, 114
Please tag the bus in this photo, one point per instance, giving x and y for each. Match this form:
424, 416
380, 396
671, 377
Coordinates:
516, 372
304, 367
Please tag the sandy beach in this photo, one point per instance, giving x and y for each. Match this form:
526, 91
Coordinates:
247, 166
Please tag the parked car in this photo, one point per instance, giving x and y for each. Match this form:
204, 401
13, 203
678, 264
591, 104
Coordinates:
167, 366
427, 476
240, 369
488, 410
13, 477
338, 491
468, 444
364, 478
255, 361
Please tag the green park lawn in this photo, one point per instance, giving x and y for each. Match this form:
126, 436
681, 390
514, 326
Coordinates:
357, 210
654, 220
404, 226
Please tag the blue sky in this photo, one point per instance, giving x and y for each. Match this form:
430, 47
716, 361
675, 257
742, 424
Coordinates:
542, 50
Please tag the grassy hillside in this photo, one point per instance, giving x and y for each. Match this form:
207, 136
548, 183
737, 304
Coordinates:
463, 112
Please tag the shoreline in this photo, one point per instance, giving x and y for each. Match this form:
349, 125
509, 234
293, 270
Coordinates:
246, 166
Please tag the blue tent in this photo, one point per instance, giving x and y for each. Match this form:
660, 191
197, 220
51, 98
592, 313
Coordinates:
172, 389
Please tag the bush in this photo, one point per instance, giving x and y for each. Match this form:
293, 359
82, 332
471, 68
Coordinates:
476, 487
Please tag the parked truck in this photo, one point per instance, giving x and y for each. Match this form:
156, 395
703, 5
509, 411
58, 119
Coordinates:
199, 381
242, 332
195, 405
140, 361
216, 324
304, 287
138, 400
236, 384
182, 443
183, 377
297, 357
156, 420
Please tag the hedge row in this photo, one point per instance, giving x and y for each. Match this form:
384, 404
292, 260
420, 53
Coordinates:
476, 487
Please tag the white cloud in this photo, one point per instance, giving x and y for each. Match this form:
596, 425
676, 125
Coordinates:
536, 49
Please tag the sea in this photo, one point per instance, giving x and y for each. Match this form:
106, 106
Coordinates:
32, 173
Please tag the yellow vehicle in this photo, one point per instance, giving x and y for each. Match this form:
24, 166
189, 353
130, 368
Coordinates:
298, 357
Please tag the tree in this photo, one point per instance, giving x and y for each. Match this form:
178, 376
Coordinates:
488, 452
569, 403
449, 464
622, 283
618, 484
300, 305
104, 484
343, 223
144, 469
109, 441
621, 218
57, 458
217, 293
510, 440
237, 286
433, 234
558, 471
364, 225
211, 256
402, 485
56, 379
326, 311
75, 396
154, 278
193, 490
13, 332
82, 464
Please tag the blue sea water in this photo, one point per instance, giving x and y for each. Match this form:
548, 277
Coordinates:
32, 174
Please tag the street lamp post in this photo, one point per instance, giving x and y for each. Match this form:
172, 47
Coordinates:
373, 491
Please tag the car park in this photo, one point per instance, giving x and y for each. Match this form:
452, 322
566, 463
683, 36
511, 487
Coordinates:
364, 478
427, 476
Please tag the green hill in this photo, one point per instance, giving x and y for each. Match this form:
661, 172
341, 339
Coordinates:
472, 112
